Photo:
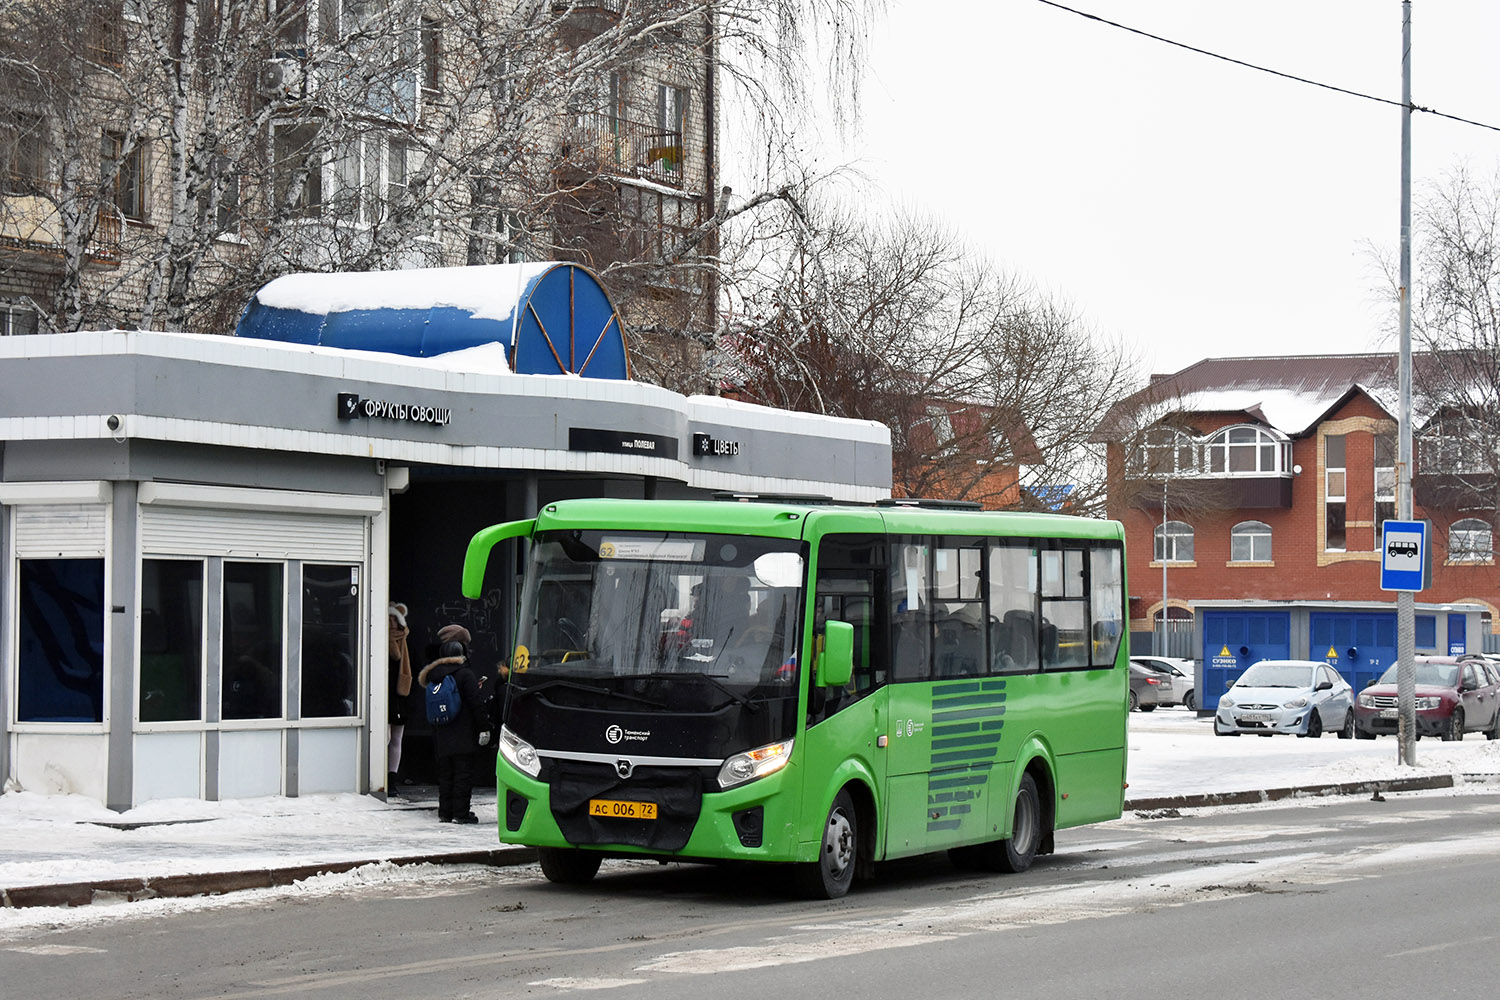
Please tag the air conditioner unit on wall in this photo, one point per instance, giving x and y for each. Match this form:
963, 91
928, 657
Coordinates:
280, 78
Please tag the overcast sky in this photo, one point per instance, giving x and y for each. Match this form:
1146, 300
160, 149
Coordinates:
1189, 206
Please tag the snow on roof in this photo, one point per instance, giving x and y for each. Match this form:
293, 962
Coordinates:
1289, 411
488, 291
1289, 393
740, 413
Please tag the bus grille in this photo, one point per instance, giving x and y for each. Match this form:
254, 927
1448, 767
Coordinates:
677, 792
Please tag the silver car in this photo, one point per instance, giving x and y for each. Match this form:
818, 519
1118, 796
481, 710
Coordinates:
1149, 688
1304, 697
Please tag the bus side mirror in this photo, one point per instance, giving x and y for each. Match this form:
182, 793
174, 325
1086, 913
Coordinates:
836, 662
477, 556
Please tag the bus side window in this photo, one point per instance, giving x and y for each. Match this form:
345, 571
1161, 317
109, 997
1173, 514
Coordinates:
911, 634
850, 575
1065, 637
1106, 602
911, 611
1014, 633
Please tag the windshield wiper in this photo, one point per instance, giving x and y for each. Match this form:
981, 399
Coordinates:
589, 688
734, 696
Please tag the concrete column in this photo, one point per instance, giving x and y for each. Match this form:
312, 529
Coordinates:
213, 673
292, 643
123, 614
7, 626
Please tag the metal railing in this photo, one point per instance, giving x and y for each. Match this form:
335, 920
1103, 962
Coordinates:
607, 6
611, 144
30, 220
1173, 638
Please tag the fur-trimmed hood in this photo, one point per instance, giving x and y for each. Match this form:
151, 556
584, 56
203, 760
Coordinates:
438, 669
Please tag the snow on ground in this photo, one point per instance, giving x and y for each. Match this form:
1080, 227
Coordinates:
53, 839
1171, 752
57, 839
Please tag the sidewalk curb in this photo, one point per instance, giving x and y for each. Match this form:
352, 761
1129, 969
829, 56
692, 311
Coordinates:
216, 883
1273, 794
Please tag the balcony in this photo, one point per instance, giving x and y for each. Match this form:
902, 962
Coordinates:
579, 21
603, 143
30, 222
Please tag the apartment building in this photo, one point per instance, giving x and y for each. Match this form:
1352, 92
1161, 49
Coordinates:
323, 135
1253, 491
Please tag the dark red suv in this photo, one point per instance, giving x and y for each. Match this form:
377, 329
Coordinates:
1454, 696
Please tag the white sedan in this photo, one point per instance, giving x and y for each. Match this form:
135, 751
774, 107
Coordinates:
1304, 697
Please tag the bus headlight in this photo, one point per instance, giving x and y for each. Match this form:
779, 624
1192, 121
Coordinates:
752, 764
522, 755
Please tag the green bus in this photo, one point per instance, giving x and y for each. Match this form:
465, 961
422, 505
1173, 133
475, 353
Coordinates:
808, 683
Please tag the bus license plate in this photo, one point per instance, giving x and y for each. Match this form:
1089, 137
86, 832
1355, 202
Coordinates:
622, 810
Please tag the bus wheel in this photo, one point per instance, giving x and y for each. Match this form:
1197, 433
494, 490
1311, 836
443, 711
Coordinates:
830, 876
567, 865
1017, 853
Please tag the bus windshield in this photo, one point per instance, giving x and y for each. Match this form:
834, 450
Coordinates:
694, 621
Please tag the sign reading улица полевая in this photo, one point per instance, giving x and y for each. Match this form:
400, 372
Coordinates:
352, 407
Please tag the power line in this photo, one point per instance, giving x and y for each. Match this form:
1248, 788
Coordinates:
1266, 69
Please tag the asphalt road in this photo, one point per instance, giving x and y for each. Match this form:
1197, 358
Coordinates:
1349, 898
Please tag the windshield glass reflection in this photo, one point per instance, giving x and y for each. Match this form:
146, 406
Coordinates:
708, 611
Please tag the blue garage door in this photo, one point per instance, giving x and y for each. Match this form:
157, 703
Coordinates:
1232, 640
1458, 640
1359, 645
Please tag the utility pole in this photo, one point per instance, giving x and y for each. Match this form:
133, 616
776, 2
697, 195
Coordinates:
1406, 687
1165, 650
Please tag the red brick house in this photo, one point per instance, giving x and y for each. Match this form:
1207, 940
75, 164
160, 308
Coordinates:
1259, 483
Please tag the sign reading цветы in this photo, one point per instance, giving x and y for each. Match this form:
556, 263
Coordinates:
1405, 556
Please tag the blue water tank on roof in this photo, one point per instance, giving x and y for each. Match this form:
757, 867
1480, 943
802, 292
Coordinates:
553, 318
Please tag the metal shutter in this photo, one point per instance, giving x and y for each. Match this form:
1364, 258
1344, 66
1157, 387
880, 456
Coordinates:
252, 534
47, 531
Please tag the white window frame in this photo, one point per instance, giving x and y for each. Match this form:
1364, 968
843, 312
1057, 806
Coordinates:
362, 165
1336, 490
10, 308
173, 725
19, 496
1257, 536
1477, 540
1448, 446
1272, 451
1171, 536
1168, 451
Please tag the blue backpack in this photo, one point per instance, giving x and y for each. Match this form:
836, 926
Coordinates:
442, 701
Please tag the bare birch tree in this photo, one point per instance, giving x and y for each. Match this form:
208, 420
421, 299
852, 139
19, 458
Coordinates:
351, 134
71, 128
1456, 324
